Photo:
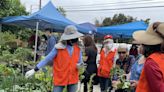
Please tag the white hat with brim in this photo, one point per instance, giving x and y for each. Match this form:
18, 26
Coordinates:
70, 32
149, 37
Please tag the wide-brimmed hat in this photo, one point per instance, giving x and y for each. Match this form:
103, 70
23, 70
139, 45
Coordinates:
108, 38
152, 36
135, 42
70, 32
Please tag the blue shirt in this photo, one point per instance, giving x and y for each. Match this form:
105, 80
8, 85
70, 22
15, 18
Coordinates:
53, 53
50, 44
136, 70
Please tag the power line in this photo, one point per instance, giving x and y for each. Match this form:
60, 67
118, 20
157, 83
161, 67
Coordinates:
145, 7
150, 3
110, 3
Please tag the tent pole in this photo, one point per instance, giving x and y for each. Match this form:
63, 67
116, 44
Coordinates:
36, 40
0, 27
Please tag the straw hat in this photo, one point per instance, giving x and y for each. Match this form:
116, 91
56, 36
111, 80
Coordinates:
152, 36
135, 42
108, 38
70, 32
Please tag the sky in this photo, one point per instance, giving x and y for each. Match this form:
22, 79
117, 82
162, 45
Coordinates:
74, 9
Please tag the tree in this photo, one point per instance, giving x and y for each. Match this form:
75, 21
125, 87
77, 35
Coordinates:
146, 21
11, 8
107, 21
97, 23
119, 19
61, 10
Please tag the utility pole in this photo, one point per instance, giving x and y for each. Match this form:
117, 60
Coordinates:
40, 4
30, 9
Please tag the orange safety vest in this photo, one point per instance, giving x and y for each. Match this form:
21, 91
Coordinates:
65, 70
106, 64
143, 83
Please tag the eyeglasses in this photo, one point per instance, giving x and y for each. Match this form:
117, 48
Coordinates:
121, 52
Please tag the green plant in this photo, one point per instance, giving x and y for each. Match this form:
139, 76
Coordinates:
6, 37
22, 55
91, 82
6, 57
119, 75
12, 81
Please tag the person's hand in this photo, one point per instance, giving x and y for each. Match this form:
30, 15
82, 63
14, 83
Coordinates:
30, 73
115, 83
134, 83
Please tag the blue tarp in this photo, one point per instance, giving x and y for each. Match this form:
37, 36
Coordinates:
48, 17
124, 30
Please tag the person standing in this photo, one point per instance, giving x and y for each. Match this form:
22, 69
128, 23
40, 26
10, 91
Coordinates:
134, 50
43, 45
152, 76
90, 60
137, 67
107, 55
67, 58
51, 41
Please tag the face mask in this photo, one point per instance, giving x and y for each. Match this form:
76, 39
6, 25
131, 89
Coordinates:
108, 46
43, 40
71, 42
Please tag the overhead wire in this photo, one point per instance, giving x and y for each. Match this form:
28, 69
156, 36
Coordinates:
108, 9
141, 3
110, 3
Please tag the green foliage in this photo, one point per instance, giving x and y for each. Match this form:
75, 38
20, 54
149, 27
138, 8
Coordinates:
24, 34
91, 82
61, 10
7, 42
118, 19
5, 71
6, 56
6, 37
11, 8
12, 81
107, 21
81, 71
22, 53
120, 74
116, 71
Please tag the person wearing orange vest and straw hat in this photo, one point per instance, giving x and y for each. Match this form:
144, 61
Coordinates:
152, 76
107, 55
67, 58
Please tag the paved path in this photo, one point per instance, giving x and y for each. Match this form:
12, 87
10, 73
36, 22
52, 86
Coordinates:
96, 88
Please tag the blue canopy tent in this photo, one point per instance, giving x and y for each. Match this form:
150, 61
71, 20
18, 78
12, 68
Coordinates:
92, 28
124, 30
47, 17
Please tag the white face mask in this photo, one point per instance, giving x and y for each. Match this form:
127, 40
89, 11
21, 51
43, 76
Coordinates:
43, 40
108, 46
